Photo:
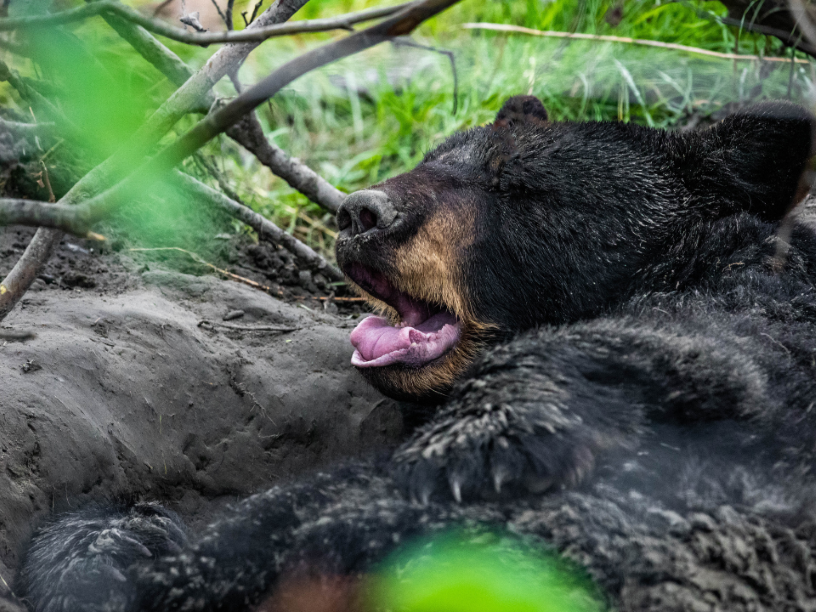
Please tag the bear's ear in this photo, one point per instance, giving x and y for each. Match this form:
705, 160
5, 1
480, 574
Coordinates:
756, 158
521, 109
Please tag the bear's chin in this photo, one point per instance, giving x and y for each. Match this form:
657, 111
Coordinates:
429, 384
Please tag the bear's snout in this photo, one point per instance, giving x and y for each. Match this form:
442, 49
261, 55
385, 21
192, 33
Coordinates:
364, 211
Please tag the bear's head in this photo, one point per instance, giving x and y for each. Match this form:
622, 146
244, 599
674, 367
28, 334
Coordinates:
527, 222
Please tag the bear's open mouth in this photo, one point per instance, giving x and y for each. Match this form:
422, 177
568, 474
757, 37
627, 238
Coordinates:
425, 332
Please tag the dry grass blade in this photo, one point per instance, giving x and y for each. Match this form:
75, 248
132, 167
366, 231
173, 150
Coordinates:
498, 27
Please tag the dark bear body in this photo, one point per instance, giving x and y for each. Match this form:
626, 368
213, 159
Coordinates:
622, 323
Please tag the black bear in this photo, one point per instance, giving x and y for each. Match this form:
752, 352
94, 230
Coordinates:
620, 317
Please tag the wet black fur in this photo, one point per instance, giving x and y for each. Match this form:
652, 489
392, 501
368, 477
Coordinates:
657, 379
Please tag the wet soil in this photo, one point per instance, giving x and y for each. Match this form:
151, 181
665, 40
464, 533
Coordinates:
149, 377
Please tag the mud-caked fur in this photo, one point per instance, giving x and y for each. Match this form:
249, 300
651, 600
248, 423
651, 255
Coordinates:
714, 535
637, 386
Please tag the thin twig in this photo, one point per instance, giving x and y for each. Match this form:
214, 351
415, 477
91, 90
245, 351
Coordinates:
342, 22
193, 92
230, 6
16, 336
773, 18
254, 328
255, 10
498, 27
220, 13
786, 37
47, 180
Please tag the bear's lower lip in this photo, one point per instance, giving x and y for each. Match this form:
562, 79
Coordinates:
425, 333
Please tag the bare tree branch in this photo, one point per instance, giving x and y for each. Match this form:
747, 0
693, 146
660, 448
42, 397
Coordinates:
27, 268
79, 219
221, 13
255, 10
38, 251
167, 62
73, 219
31, 94
194, 90
230, 5
793, 40
249, 133
157, 26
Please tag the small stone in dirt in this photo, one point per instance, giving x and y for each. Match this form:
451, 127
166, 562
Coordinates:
47, 278
31, 366
77, 279
76, 248
100, 328
305, 281
233, 314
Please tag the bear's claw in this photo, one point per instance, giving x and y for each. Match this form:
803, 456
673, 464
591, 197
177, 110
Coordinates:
491, 451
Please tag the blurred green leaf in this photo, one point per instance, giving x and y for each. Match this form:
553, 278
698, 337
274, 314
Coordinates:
458, 573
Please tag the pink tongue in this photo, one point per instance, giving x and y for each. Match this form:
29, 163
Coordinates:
379, 344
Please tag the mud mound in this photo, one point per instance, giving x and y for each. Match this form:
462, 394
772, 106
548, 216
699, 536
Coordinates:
135, 386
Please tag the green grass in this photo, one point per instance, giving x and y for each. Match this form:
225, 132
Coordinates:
374, 115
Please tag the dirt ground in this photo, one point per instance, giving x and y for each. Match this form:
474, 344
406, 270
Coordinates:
135, 385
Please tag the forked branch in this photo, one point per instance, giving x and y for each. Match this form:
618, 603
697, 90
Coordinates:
258, 34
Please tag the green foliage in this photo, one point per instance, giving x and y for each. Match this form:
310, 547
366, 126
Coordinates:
456, 573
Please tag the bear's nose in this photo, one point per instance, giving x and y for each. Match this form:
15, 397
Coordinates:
366, 210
